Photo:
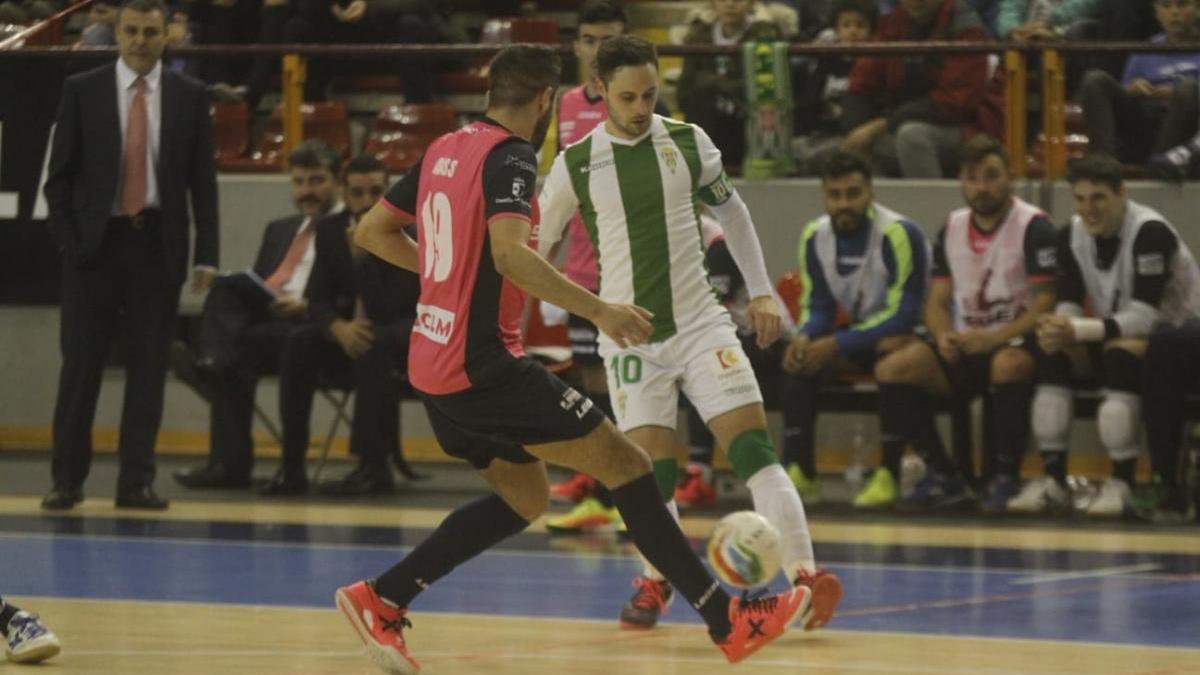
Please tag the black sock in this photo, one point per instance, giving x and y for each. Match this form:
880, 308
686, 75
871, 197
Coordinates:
470, 530
7, 612
1010, 409
602, 494
911, 410
1124, 469
891, 429
798, 395
658, 537
1055, 466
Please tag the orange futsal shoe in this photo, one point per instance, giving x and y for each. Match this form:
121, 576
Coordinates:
759, 621
649, 602
573, 490
381, 626
826, 594
693, 491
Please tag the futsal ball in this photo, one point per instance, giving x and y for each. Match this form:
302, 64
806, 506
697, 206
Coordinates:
744, 550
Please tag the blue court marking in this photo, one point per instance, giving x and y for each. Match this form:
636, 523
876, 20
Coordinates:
1147, 609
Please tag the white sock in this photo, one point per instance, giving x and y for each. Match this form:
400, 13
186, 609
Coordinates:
775, 499
648, 570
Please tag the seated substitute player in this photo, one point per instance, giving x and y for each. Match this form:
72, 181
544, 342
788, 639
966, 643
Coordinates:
873, 263
488, 404
26, 638
639, 180
1171, 369
993, 276
1128, 264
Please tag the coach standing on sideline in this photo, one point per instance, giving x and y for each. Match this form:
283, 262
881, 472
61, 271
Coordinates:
132, 139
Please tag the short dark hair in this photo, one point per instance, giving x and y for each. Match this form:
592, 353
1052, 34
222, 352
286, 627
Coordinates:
520, 73
978, 148
1098, 168
868, 8
621, 51
316, 154
364, 164
144, 6
838, 162
601, 11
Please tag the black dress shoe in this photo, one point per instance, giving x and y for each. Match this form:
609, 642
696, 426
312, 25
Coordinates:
62, 498
361, 481
141, 498
284, 485
216, 477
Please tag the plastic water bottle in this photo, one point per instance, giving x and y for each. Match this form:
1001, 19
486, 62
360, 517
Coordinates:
857, 468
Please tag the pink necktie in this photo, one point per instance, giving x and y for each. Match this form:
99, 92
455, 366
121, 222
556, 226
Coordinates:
295, 254
133, 174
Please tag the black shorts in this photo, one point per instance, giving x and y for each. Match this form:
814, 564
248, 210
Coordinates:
584, 337
519, 404
972, 375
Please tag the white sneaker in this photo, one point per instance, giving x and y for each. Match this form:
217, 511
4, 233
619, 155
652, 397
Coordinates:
1040, 495
1114, 497
29, 641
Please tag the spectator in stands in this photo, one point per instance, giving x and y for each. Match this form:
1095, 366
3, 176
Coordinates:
100, 30
711, 90
246, 320
1151, 108
118, 187
1128, 263
989, 12
819, 107
1029, 20
359, 22
911, 114
240, 22
993, 277
361, 312
872, 264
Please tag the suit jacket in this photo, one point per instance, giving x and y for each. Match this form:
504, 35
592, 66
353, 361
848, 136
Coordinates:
276, 241
389, 293
85, 168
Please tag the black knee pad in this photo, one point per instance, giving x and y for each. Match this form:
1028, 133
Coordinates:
1122, 371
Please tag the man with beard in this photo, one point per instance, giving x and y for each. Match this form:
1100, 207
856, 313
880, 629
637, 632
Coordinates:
873, 264
248, 316
639, 181
993, 276
361, 312
1127, 263
489, 404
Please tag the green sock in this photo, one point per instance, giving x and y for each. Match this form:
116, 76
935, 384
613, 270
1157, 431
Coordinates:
750, 452
666, 474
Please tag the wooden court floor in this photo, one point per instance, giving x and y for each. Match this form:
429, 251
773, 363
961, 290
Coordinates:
246, 587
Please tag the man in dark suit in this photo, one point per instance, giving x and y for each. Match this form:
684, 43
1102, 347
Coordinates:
244, 325
131, 141
361, 313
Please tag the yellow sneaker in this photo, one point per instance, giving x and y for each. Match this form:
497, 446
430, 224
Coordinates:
589, 516
809, 488
880, 492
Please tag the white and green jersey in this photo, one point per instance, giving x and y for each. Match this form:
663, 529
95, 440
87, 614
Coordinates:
640, 202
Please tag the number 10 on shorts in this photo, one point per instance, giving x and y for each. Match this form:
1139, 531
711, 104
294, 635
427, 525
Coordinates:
627, 368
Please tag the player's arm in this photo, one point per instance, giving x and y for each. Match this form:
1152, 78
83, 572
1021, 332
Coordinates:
906, 260
818, 309
556, 204
1041, 268
713, 187
381, 231
941, 293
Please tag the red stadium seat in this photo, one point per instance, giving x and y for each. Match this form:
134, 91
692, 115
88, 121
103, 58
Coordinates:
789, 287
328, 121
402, 132
231, 132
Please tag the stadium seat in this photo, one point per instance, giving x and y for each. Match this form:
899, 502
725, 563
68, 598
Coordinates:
231, 132
328, 121
789, 287
402, 132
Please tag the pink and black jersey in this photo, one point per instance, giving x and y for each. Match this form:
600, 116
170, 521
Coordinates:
993, 273
468, 316
577, 116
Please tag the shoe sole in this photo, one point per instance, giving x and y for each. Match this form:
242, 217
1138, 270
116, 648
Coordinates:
35, 654
386, 659
826, 594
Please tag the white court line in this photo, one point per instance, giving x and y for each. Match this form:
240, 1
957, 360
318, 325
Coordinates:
1050, 577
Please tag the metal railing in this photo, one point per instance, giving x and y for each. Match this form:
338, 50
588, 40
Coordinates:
1015, 58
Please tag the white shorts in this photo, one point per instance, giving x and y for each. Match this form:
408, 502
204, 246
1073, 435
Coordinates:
705, 362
